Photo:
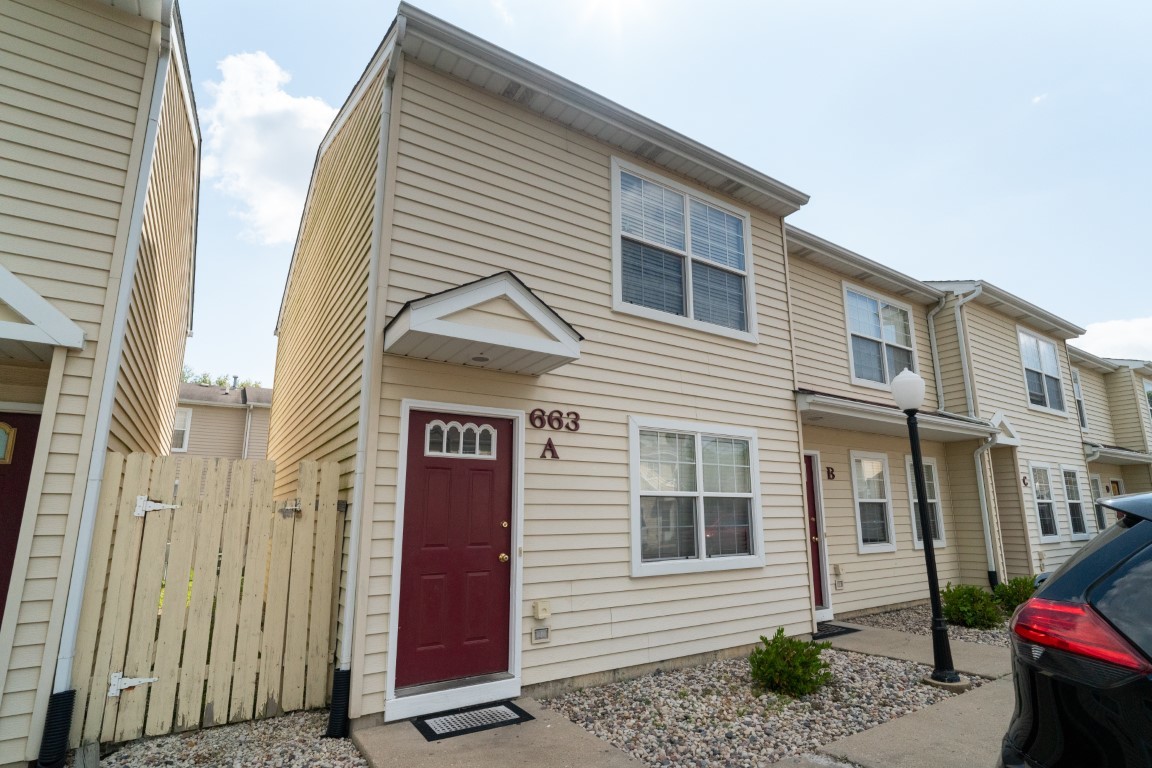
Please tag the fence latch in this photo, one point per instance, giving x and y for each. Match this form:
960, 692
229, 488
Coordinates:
121, 683
145, 504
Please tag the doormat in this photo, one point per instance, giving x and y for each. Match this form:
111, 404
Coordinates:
825, 629
457, 722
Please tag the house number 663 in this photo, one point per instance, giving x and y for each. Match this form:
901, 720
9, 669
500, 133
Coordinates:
555, 420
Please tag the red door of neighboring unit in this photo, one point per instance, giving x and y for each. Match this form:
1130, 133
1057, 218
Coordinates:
457, 552
818, 585
14, 476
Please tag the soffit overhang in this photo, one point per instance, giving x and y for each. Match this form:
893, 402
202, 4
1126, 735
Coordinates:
857, 268
441, 46
153, 10
1088, 360
1013, 306
496, 323
832, 412
1107, 454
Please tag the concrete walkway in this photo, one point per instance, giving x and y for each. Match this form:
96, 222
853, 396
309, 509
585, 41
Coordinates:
961, 732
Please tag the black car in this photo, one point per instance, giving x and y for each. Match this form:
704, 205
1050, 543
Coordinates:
1082, 654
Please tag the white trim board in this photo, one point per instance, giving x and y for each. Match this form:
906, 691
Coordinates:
46, 324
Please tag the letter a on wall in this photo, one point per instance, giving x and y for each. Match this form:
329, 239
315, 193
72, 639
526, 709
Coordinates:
549, 451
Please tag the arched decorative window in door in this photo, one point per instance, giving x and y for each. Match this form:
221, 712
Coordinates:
465, 441
7, 442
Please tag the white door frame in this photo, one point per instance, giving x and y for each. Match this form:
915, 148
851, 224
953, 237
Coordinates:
817, 491
401, 708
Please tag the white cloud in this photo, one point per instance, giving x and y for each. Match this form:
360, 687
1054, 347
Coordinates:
260, 142
501, 8
1129, 339
1037, 99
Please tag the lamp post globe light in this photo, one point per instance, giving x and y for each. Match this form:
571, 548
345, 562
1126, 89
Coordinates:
908, 392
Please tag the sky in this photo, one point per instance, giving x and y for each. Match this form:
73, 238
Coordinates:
1008, 142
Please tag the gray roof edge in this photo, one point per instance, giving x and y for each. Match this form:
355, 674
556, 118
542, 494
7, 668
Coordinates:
807, 239
424, 25
1038, 315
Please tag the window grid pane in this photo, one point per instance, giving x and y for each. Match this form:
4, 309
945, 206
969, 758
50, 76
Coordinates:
867, 362
727, 527
934, 522
1075, 507
667, 528
718, 297
717, 236
1044, 506
651, 211
652, 278
667, 462
873, 522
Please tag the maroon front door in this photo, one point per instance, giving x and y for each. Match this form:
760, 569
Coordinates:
818, 586
14, 476
457, 554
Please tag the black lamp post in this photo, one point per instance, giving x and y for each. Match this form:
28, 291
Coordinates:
908, 392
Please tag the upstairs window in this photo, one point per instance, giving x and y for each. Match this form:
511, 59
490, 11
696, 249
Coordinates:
181, 427
681, 257
1041, 372
880, 338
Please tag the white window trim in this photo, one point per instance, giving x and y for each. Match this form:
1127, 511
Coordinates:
1024, 374
1148, 395
618, 303
1032, 467
187, 428
1084, 512
1096, 487
886, 387
942, 541
862, 548
701, 564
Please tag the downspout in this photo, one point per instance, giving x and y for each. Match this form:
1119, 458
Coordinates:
985, 515
342, 677
936, 353
247, 422
1093, 455
58, 721
963, 340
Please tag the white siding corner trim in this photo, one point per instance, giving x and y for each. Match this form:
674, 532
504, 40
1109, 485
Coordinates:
700, 561
400, 708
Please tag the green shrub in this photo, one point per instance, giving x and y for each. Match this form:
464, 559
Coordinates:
971, 606
788, 665
1013, 592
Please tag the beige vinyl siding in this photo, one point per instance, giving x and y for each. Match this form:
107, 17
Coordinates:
71, 78
950, 357
22, 383
157, 326
967, 532
1137, 478
1047, 438
1130, 417
216, 431
1097, 408
482, 186
821, 334
877, 579
321, 336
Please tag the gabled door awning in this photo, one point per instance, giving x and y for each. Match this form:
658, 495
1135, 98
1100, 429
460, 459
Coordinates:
30, 325
495, 323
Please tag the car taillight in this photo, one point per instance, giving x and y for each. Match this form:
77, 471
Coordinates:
1076, 628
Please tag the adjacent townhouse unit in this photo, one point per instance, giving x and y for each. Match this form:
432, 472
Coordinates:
1113, 401
222, 422
1006, 361
99, 146
548, 340
857, 324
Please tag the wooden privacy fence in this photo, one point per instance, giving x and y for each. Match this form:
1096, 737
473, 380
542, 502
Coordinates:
206, 602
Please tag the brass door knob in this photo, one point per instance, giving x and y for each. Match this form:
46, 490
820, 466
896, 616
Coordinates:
503, 557
815, 539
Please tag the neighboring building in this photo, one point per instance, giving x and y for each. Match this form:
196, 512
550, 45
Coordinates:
1113, 400
222, 423
598, 409
101, 155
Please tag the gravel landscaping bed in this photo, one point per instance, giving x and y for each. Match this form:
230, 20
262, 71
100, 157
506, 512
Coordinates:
918, 621
290, 741
710, 716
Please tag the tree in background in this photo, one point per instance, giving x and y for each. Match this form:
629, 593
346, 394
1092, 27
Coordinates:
188, 375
